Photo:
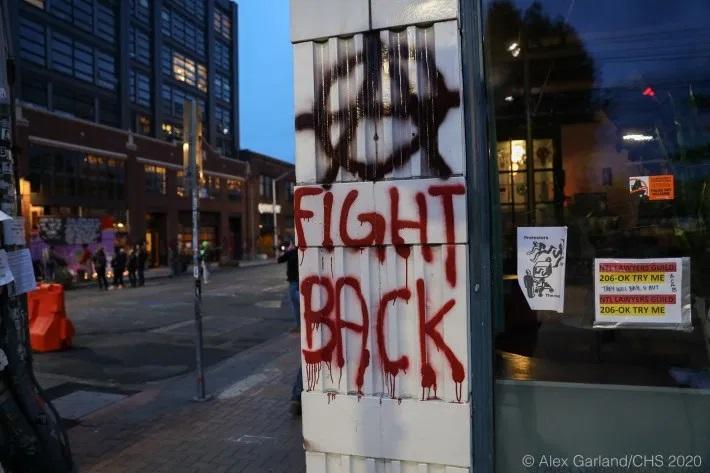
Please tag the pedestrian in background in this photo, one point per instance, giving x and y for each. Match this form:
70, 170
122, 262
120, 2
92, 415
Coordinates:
204, 255
99, 260
132, 265
142, 258
118, 264
290, 257
85, 262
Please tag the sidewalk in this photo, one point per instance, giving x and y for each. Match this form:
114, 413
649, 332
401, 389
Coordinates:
247, 427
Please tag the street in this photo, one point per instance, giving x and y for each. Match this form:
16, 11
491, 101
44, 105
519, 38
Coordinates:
125, 338
125, 389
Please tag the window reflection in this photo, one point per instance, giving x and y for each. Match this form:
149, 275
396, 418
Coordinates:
590, 97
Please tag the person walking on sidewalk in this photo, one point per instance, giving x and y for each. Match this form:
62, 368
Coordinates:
118, 264
100, 267
132, 266
85, 262
290, 257
142, 258
204, 265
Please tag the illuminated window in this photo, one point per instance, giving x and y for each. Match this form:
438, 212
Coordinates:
222, 24
181, 187
234, 189
155, 179
188, 71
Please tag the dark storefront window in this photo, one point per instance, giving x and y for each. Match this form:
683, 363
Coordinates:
70, 174
602, 145
155, 179
34, 90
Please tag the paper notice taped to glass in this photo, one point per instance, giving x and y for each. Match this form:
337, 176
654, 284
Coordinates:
541, 266
5, 272
20, 263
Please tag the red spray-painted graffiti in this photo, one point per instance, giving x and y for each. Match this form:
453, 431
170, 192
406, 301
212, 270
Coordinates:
330, 315
379, 223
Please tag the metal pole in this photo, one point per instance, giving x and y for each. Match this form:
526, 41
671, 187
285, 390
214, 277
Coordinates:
478, 184
195, 192
273, 213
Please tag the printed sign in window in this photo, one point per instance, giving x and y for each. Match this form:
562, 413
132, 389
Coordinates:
642, 292
653, 187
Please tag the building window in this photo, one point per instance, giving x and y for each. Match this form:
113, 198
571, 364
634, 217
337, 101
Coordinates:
33, 42
78, 12
213, 186
183, 31
222, 24
36, 3
195, 8
235, 188
61, 173
155, 179
141, 124
265, 189
139, 88
222, 56
108, 112
83, 62
139, 45
105, 71
73, 102
223, 120
62, 55
105, 23
222, 88
171, 131
140, 9
34, 90
189, 71
173, 100
180, 185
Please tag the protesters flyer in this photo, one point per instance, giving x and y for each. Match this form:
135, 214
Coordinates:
541, 266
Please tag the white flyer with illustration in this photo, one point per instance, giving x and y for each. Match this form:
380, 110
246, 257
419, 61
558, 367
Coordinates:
542, 253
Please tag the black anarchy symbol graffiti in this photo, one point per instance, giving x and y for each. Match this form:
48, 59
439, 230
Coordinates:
426, 110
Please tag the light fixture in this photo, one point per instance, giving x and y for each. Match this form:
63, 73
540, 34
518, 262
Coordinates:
225, 131
516, 52
637, 137
509, 98
513, 46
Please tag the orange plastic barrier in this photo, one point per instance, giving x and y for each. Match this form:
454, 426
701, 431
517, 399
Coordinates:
50, 329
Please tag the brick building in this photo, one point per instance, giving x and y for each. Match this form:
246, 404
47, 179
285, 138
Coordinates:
100, 86
263, 170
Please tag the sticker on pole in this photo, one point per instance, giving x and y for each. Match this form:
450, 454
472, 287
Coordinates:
647, 293
14, 231
541, 266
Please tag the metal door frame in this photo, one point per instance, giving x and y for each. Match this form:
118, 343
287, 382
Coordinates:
480, 231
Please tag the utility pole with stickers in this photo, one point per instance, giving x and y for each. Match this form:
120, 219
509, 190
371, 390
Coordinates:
32, 438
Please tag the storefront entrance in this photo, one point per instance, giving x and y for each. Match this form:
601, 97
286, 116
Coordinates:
600, 153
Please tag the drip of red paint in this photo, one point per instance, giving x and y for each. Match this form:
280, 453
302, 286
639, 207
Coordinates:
327, 214
375, 236
428, 328
390, 367
399, 224
447, 193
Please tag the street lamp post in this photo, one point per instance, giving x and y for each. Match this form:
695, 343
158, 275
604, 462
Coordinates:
273, 205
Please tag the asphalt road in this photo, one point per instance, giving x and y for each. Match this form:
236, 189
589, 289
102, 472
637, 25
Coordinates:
127, 338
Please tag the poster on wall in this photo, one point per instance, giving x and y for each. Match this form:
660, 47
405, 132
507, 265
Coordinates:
642, 293
69, 231
541, 266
